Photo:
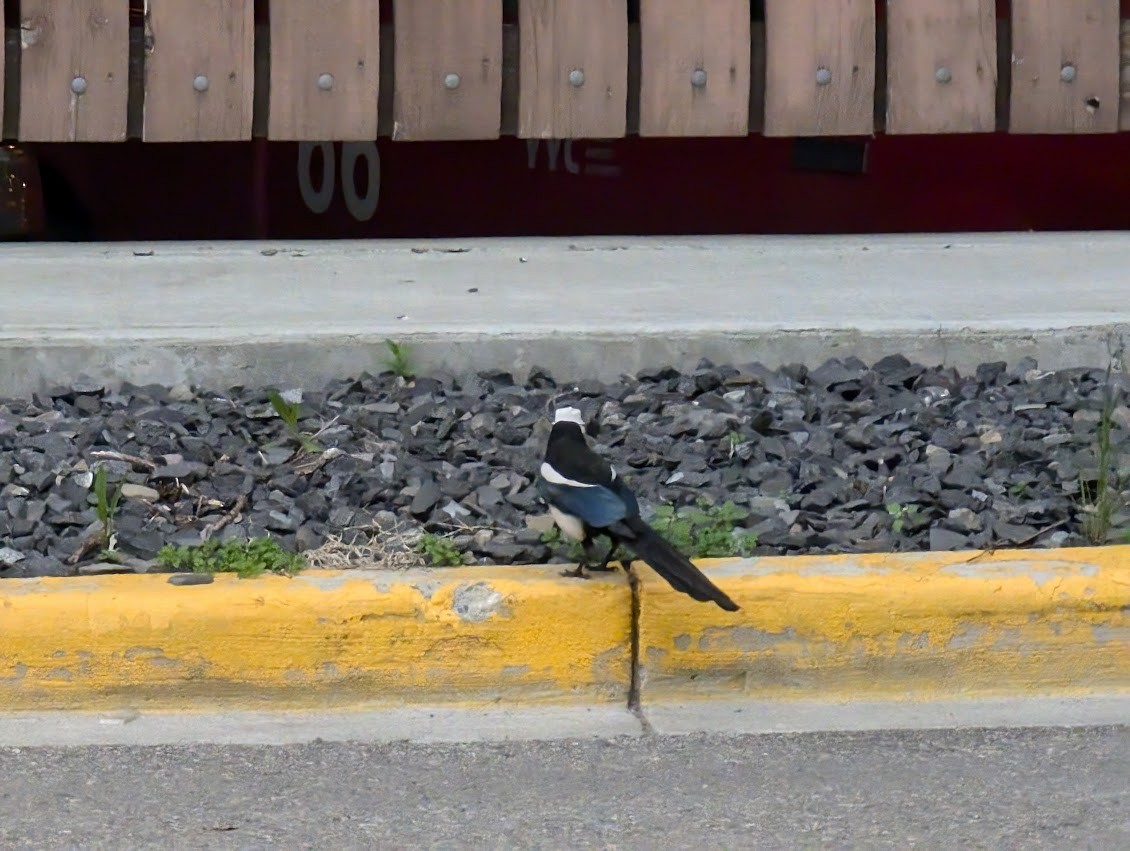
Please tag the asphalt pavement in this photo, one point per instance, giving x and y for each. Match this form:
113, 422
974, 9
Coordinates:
1058, 788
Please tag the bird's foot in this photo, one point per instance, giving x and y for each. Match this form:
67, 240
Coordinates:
604, 567
577, 572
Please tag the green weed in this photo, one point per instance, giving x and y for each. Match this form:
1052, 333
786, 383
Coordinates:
705, 530
247, 559
553, 538
400, 360
106, 506
288, 412
1100, 500
1020, 490
902, 514
439, 550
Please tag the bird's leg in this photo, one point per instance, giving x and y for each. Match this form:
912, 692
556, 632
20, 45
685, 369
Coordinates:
613, 546
578, 572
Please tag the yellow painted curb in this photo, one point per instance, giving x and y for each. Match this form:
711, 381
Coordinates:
898, 626
923, 625
465, 635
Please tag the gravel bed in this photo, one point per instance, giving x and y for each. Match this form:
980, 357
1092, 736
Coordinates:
844, 457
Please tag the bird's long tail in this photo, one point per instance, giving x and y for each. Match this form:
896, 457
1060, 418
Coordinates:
672, 565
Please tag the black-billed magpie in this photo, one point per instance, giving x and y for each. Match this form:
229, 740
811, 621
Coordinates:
586, 498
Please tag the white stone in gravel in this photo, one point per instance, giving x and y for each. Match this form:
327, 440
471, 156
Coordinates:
938, 459
133, 491
388, 466
993, 435
181, 393
965, 519
9, 556
540, 522
103, 568
455, 510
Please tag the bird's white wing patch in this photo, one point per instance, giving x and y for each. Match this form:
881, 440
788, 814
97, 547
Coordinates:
555, 478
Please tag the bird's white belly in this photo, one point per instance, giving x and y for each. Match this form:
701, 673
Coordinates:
568, 524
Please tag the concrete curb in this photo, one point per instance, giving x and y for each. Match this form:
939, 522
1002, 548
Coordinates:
922, 626
911, 626
299, 313
321, 639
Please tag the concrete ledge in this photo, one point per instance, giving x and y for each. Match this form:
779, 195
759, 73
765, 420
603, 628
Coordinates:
756, 717
445, 723
914, 626
322, 639
422, 723
299, 313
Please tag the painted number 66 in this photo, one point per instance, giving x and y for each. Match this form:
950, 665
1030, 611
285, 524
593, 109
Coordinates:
361, 207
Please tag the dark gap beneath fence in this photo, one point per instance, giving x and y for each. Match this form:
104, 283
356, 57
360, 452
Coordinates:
135, 94
632, 128
261, 47
510, 53
1004, 64
386, 83
879, 96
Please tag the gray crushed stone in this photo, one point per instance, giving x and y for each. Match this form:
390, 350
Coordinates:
843, 457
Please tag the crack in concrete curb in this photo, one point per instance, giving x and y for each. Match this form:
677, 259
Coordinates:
635, 704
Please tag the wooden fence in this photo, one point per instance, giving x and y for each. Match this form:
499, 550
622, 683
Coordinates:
205, 70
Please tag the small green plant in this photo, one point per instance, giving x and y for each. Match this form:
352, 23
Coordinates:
106, 506
735, 440
705, 530
400, 360
1100, 500
439, 550
247, 559
902, 515
288, 412
553, 539
1019, 490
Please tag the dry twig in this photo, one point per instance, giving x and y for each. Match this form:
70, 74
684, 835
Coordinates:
224, 519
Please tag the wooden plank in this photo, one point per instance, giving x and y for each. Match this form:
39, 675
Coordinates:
695, 67
941, 66
74, 70
324, 70
448, 69
573, 69
199, 70
819, 67
1065, 66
